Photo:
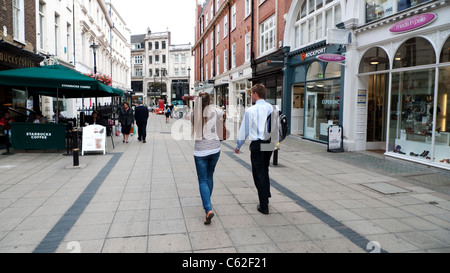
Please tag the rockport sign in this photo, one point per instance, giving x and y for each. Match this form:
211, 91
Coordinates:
312, 53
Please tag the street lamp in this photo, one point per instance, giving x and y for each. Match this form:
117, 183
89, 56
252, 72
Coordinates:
94, 48
189, 80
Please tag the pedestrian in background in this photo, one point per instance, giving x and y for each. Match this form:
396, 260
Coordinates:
206, 149
126, 120
254, 126
168, 113
141, 117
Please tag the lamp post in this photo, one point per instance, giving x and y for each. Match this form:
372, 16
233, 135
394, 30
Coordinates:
189, 84
94, 50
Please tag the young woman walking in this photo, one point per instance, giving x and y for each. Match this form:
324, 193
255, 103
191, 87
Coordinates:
207, 147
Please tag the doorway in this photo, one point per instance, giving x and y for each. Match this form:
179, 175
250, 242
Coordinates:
310, 115
376, 111
298, 109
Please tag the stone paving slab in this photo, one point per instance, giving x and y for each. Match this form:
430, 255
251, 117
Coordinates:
144, 198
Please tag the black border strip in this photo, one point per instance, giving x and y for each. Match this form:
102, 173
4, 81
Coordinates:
347, 232
56, 235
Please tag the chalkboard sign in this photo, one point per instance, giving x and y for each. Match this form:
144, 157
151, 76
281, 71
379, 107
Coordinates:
335, 139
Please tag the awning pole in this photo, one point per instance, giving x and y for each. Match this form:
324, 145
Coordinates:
57, 105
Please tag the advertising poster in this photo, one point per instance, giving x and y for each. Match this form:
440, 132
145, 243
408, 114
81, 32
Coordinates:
335, 139
94, 139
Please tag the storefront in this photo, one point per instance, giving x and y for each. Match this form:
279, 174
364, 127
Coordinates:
12, 57
405, 80
316, 89
268, 71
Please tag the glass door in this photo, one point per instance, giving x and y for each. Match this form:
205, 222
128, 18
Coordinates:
298, 109
310, 115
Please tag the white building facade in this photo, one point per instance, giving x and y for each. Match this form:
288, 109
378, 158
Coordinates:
179, 72
66, 30
390, 93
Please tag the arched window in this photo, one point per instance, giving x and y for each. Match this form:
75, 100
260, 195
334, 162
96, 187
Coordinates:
415, 51
315, 72
333, 70
375, 59
445, 53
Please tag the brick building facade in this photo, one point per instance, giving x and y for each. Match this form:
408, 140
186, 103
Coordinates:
233, 41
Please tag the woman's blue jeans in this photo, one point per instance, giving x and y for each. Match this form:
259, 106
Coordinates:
205, 166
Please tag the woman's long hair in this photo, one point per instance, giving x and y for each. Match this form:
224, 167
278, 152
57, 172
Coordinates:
202, 101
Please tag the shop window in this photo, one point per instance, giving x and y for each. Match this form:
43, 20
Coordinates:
411, 114
445, 53
377, 9
405, 4
315, 72
415, 51
442, 138
375, 59
333, 70
322, 106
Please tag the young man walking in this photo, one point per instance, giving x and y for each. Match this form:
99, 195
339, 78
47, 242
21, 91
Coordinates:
254, 126
141, 117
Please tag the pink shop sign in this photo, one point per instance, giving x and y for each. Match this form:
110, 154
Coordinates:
414, 22
331, 58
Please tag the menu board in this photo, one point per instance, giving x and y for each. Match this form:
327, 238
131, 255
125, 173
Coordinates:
94, 139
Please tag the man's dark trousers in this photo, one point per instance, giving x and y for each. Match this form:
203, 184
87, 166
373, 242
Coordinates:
142, 129
260, 169
141, 117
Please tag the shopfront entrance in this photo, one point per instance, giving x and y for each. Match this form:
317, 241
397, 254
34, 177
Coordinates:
298, 109
316, 91
377, 101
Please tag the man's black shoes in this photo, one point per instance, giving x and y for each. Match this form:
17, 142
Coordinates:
266, 211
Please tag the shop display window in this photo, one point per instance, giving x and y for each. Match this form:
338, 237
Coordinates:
442, 140
377, 9
411, 115
321, 108
419, 116
322, 100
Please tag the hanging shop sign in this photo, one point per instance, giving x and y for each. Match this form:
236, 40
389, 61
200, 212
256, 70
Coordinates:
412, 23
273, 61
331, 58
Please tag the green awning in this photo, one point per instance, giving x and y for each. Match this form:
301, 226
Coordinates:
56, 81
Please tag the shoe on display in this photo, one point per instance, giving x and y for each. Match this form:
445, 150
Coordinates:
413, 154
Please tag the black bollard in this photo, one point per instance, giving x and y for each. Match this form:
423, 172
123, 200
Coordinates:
275, 157
75, 150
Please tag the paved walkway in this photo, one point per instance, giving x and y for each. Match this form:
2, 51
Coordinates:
145, 198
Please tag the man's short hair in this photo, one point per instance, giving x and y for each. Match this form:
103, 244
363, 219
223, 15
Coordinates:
259, 89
